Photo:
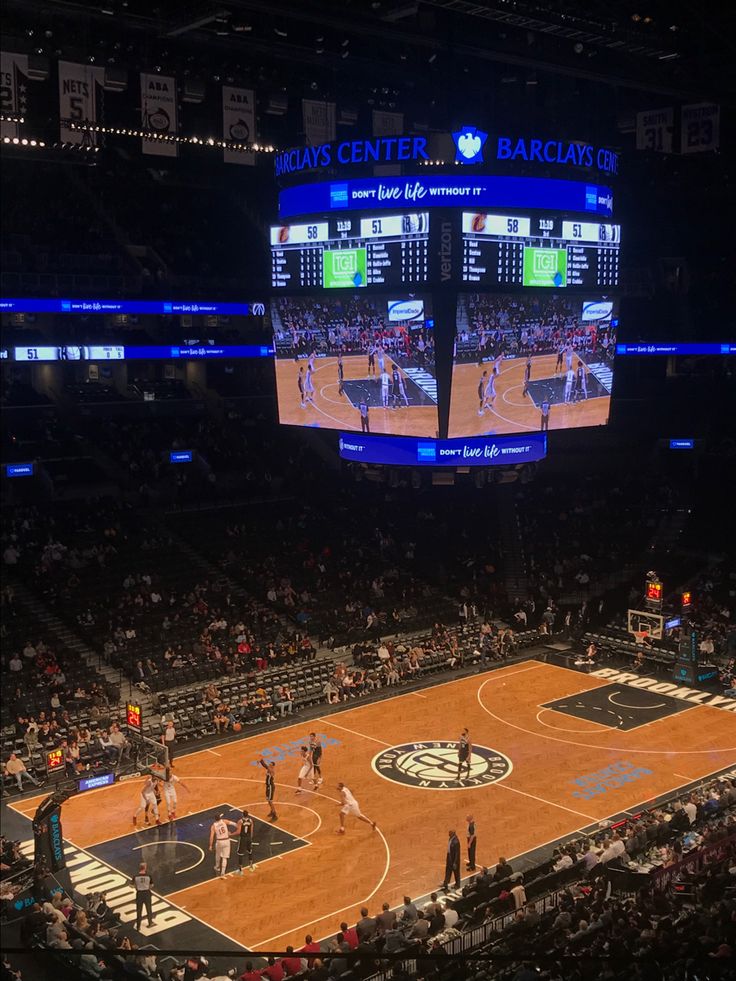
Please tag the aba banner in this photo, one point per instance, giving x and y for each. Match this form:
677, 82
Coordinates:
158, 114
700, 127
654, 130
238, 122
387, 123
319, 121
13, 89
78, 100
474, 452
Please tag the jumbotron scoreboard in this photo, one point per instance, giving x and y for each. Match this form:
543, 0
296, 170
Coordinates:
539, 250
351, 251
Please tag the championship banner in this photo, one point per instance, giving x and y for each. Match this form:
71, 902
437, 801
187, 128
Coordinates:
13, 87
78, 100
158, 113
387, 123
654, 130
238, 122
319, 122
700, 127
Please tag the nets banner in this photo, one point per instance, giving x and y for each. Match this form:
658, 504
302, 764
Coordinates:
158, 114
78, 100
654, 130
13, 85
238, 122
700, 128
387, 123
319, 121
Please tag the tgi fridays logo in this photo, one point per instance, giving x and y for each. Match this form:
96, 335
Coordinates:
667, 688
90, 875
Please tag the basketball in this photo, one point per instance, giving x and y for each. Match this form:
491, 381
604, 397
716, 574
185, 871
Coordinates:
237, 727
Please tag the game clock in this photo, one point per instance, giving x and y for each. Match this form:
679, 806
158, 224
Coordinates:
54, 760
133, 716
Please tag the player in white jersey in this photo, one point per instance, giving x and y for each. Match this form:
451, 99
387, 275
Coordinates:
169, 788
380, 354
220, 838
489, 396
384, 388
568, 356
306, 771
402, 389
349, 805
569, 378
148, 798
309, 384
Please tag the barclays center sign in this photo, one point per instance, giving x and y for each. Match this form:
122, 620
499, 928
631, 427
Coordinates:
468, 146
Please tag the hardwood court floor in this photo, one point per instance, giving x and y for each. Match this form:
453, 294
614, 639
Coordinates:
313, 888
512, 411
334, 411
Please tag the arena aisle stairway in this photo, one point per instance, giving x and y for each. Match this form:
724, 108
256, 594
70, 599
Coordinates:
514, 562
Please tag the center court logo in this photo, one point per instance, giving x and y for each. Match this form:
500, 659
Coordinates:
433, 765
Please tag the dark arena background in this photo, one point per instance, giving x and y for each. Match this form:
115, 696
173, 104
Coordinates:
368, 490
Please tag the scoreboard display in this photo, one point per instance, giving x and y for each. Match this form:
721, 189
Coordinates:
538, 250
351, 251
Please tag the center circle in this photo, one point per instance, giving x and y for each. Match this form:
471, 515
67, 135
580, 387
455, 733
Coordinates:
433, 765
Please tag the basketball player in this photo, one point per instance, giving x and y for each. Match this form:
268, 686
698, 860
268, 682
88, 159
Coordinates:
349, 805
220, 838
340, 376
315, 747
169, 787
309, 384
527, 376
402, 390
385, 381
148, 796
371, 358
582, 381
568, 356
560, 357
569, 378
270, 769
394, 386
544, 408
490, 392
381, 359
245, 842
300, 383
482, 393
306, 771
464, 753
157, 793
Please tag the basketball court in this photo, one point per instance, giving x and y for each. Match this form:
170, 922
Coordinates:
515, 412
331, 410
555, 751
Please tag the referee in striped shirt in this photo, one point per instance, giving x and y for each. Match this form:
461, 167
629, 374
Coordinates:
143, 884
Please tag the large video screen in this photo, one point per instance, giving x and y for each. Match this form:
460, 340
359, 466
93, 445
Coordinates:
351, 252
538, 250
356, 362
525, 363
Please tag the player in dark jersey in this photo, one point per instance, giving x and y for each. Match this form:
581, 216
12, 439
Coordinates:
270, 769
244, 832
340, 376
482, 392
300, 383
315, 746
527, 375
464, 752
560, 357
371, 358
395, 389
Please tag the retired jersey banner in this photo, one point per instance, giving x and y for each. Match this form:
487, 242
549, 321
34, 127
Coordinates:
159, 114
387, 123
654, 130
700, 128
13, 89
238, 123
78, 100
319, 122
